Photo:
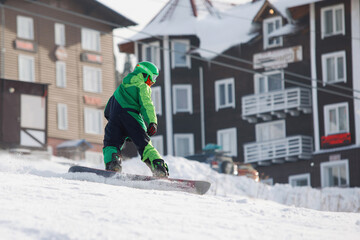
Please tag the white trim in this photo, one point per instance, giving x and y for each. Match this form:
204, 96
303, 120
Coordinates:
266, 76
60, 66
355, 46
22, 21
336, 106
226, 82
333, 8
157, 99
59, 32
324, 176
232, 142
190, 137
265, 32
188, 88
187, 57
62, 116
23, 76
335, 56
168, 103
90, 85
158, 143
260, 126
299, 177
315, 110
95, 36
155, 53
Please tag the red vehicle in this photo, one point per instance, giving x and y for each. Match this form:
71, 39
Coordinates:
247, 170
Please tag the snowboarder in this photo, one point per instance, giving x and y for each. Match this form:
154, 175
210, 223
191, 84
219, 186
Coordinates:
126, 111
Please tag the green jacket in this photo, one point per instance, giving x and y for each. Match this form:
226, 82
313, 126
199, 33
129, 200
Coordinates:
133, 93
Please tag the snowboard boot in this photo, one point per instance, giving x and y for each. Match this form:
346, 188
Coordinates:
158, 167
115, 164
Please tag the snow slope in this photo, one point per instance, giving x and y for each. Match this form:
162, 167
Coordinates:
40, 200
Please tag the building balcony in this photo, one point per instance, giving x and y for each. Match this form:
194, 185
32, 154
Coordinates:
279, 150
276, 103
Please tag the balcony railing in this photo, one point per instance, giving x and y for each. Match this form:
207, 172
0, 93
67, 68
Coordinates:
292, 100
280, 150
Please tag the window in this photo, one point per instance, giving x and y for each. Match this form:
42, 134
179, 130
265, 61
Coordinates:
336, 118
180, 49
25, 27
182, 98
92, 79
26, 68
93, 121
335, 174
270, 25
268, 82
62, 115
332, 21
60, 74
333, 67
299, 180
224, 93
151, 53
156, 98
59, 34
270, 131
90, 40
226, 138
158, 143
184, 144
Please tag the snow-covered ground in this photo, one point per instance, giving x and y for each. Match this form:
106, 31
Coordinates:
40, 200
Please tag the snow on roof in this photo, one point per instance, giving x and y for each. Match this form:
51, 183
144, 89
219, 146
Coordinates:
217, 30
74, 144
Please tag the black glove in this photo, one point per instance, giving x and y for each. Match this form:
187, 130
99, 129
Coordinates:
152, 129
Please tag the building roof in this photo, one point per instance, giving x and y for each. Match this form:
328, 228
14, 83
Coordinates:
108, 13
217, 30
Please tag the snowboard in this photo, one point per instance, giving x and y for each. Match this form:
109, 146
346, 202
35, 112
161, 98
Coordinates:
156, 183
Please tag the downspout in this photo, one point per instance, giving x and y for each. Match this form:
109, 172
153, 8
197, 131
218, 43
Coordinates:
355, 46
2, 47
315, 109
168, 102
202, 107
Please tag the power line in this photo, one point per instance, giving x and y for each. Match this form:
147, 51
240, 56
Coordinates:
241, 69
191, 46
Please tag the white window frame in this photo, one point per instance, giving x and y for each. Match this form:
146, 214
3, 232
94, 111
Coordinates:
23, 76
259, 128
21, 22
334, 55
333, 9
88, 125
228, 104
60, 37
156, 99
266, 75
329, 107
94, 44
60, 77
190, 137
266, 34
324, 166
173, 53
62, 116
158, 143
233, 151
91, 85
188, 88
155, 53
294, 178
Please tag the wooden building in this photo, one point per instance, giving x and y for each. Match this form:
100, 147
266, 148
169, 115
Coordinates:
69, 46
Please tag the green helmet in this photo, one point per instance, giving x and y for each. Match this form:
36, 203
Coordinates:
148, 68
